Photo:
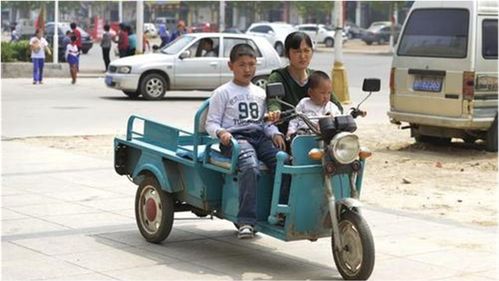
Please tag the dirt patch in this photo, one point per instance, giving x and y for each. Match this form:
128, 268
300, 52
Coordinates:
457, 182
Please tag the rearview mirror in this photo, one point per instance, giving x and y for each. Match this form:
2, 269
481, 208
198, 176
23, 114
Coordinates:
275, 90
185, 54
371, 85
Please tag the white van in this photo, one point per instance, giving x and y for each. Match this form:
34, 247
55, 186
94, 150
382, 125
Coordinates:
443, 81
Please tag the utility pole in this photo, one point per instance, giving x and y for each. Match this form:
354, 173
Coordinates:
55, 55
340, 81
140, 27
120, 11
221, 26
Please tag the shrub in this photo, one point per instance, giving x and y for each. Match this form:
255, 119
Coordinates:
18, 51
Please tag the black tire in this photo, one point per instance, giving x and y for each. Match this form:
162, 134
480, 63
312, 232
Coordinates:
491, 142
369, 43
357, 238
279, 48
329, 42
132, 95
154, 210
432, 140
381, 41
260, 81
85, 51
153, 86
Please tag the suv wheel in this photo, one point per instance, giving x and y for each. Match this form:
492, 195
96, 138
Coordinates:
329, 42
153, 86
279, 48
260, 81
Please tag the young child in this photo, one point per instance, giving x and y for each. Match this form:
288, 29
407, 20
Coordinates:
73, 57
317, 104
236, 111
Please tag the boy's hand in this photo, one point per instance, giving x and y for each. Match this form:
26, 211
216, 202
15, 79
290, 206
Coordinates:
273, 116
225, 137
279, 142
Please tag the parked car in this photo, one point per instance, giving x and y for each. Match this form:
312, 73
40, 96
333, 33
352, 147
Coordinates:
352, 30
380, 32
204, 27
443, 81
181, 65
233, 30
86, 41
319, 33
274, 32
151, 29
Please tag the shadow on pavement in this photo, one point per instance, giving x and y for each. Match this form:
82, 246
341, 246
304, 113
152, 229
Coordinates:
164, 99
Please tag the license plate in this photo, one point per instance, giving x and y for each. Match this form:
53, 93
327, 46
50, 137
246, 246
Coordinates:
109, 80
427, 84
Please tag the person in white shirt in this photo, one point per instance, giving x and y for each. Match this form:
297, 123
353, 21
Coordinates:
318, 103
73, 58
38, 46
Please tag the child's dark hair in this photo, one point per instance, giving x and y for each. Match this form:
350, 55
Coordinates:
68, 32
293, 41
73, 38
106, 27
316, 77
72, 25
240, 50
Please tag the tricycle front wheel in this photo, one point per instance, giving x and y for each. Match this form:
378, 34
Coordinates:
153, 211
355, 259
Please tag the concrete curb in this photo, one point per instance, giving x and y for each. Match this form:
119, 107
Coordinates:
25, 70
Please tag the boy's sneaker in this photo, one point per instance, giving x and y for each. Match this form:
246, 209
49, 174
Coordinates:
245, 232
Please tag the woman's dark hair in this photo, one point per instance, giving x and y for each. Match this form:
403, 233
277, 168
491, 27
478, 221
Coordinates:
72, 25
316, 77
293, 41
106, 27
73, 38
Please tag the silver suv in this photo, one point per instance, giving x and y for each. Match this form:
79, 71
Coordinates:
274, 32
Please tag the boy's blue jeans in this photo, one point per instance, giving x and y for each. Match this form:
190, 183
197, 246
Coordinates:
254, 146
38, 69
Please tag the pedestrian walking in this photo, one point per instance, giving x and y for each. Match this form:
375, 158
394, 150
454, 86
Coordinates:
73, 57
180, 30
14, 36
76, 33
122, 41
106, 45
38, 46
132, 41
164, 34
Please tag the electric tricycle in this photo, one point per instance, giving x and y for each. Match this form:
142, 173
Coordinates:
176, 171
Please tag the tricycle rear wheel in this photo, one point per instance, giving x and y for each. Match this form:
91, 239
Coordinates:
153, 211
355, 260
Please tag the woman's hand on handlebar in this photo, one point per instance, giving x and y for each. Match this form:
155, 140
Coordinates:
279, 142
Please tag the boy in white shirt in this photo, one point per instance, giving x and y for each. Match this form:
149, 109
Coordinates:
236, 111
317, 104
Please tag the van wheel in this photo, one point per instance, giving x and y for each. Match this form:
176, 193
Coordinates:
153, 86
432, 140
329, 42
153, 211
369, 43
381, 41
492, 137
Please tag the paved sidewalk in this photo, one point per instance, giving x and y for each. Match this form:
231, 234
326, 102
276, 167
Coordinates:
70, 217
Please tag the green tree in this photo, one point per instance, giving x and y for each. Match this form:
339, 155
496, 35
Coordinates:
314, 10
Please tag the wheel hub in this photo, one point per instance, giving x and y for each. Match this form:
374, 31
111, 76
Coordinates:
151, 209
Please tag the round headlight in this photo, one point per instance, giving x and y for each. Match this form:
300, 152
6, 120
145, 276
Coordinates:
345, 147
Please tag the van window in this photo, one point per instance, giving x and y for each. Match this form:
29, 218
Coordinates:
436, 33
489, 39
